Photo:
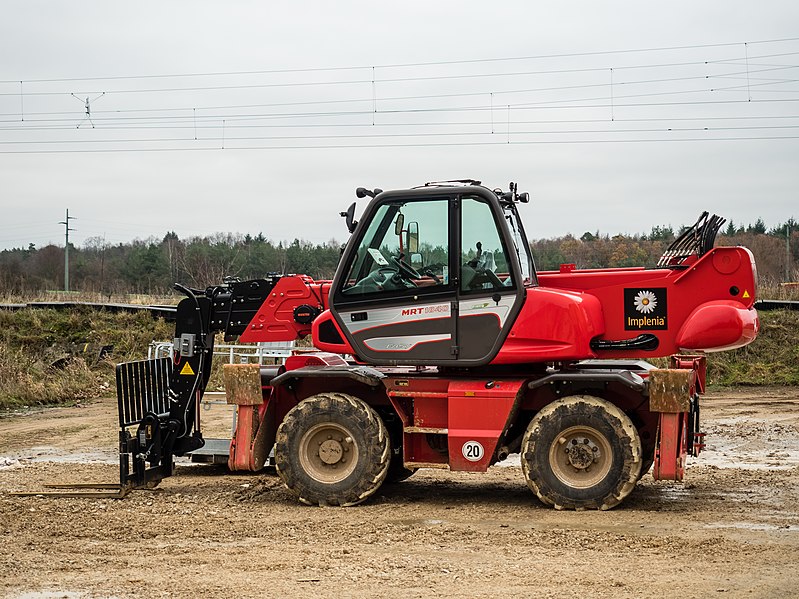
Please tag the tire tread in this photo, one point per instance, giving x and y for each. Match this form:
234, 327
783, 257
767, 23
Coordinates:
363, 418
623, 428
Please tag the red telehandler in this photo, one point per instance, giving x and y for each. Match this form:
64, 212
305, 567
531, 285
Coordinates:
438, 345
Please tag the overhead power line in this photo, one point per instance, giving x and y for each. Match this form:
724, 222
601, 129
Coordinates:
410, 64
436, 104
559, 104
409, 145
229, 138
385, 80
437, 96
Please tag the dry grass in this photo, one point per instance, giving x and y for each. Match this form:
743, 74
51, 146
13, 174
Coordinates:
82, 296
771, 359
52, 356
26, 381
779, 292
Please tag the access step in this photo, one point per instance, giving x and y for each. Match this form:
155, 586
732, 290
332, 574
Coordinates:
426, 429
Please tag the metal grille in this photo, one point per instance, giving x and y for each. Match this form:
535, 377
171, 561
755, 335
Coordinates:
142, 387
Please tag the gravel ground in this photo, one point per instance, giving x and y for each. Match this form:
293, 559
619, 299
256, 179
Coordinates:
730, 530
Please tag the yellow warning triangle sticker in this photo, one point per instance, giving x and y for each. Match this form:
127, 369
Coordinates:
186, 369
746, 294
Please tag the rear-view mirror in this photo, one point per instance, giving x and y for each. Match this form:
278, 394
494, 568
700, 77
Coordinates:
413, 238
399, 224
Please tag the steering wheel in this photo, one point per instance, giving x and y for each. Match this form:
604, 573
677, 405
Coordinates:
408, 271
391, 278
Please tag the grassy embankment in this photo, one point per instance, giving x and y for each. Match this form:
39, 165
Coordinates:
771, 359
50, 357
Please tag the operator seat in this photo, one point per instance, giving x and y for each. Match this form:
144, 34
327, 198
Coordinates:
486, 262
479, 273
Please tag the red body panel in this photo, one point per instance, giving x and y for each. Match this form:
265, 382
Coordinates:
706, 305
339, 348
478, 412
553, 325
717, 290
274, 321
467, 416
718, 326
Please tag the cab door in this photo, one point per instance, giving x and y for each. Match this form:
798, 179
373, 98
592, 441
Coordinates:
489, 293
394, 296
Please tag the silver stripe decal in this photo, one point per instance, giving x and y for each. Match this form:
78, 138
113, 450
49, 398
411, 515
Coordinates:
383, 316
397, 315
402, 343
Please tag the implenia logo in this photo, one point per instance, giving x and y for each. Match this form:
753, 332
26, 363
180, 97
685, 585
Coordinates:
645, 309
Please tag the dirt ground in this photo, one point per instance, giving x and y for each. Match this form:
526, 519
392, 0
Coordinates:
731, 529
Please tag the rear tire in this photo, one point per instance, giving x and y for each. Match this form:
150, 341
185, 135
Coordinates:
332, 449
581, 452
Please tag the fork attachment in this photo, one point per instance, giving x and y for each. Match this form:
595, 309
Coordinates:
161, 398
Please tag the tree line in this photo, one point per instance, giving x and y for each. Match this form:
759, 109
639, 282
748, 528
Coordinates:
151, 266
774, 249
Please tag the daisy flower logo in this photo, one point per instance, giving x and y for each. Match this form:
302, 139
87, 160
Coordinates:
645, 302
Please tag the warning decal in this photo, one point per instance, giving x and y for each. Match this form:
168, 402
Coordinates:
186, 369
645, 309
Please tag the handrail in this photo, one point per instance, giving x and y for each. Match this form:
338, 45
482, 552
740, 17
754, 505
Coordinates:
235, 353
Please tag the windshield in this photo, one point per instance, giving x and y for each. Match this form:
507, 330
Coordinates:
521, 246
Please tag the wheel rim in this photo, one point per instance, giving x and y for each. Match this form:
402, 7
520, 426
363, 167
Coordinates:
328, 453
580, 457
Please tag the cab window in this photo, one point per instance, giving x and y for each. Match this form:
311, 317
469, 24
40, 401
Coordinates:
484, 258
405, 247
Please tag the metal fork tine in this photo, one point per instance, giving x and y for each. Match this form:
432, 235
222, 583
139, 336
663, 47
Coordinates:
91, 491
83, 486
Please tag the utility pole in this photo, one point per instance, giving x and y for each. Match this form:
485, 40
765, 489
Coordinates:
65, 222
787, 252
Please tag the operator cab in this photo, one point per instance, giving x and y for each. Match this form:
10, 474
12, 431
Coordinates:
433, 275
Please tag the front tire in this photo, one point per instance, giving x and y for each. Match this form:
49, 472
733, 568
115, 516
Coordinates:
332, 449
581, 452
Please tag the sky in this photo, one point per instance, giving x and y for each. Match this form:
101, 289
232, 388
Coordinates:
263, 117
